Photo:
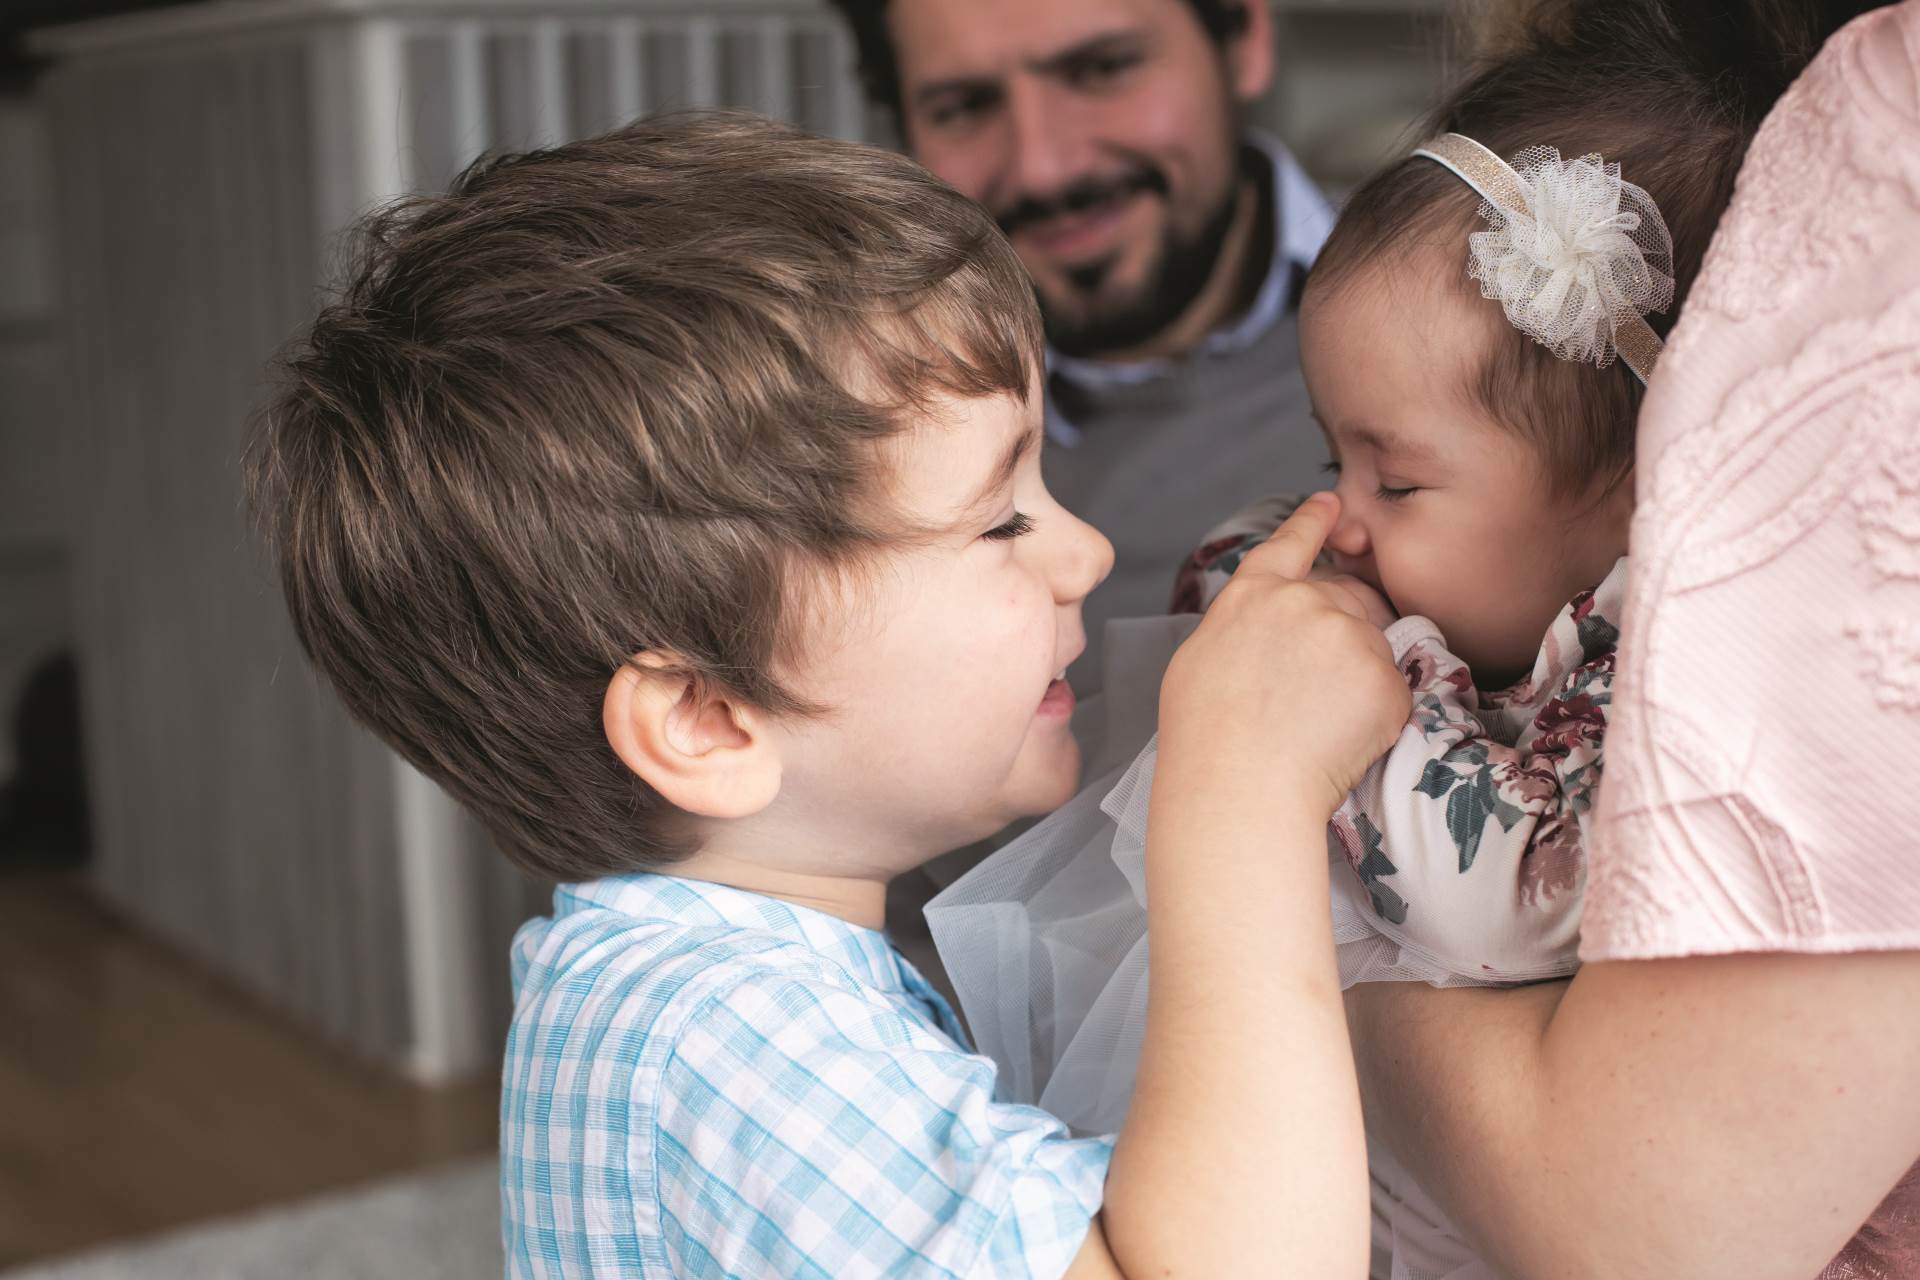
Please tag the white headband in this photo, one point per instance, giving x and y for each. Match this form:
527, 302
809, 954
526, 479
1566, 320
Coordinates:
1576, 257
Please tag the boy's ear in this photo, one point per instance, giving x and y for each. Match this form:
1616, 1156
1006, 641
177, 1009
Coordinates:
706, 752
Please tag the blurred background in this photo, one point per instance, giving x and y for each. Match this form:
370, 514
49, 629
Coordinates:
253, 976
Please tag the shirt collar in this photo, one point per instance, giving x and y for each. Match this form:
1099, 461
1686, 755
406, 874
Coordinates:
1305, 219
864, 953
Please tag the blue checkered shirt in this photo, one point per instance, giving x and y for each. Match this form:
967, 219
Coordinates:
704, 1082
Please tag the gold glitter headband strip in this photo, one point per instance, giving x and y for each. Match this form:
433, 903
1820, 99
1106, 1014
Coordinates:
1500, 186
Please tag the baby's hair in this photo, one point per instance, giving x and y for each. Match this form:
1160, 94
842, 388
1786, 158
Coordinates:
621, 395
1672, 91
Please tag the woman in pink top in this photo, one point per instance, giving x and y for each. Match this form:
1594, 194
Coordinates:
1731, 1085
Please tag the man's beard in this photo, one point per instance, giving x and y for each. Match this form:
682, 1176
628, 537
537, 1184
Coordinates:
1093, 325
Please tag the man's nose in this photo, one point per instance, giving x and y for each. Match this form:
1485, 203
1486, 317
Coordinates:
1048, 152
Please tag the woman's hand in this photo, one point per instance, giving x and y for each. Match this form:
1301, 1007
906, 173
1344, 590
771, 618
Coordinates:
1286, 681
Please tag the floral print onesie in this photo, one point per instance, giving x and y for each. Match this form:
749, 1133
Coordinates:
1468, 837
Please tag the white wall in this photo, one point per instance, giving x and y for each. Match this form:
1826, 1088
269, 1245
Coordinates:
204, 159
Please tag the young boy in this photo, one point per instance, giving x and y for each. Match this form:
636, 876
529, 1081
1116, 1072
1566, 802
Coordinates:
672, 498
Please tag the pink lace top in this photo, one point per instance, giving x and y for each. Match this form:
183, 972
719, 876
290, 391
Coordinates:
1760, 791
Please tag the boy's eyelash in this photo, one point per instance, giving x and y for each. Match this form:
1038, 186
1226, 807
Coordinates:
1019, 527
1331, 466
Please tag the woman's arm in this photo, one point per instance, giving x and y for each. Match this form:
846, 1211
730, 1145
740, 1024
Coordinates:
1735, 1116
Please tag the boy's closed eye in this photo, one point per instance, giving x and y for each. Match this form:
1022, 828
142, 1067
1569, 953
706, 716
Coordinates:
1018, 527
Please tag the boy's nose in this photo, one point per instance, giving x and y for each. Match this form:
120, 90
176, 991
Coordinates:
1084, 560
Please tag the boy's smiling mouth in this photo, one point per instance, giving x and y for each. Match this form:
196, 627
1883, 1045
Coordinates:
1059, 698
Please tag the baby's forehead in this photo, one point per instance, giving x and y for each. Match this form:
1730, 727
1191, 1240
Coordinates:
1422, 331
1422, 281
1423, 441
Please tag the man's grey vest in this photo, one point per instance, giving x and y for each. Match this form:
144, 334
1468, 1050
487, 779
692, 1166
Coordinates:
1162, 461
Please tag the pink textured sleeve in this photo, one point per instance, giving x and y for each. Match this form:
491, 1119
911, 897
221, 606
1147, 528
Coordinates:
1763, 764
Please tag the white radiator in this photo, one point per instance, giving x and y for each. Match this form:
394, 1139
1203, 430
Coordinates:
205, 158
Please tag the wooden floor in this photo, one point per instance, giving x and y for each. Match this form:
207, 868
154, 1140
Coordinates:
139, 1093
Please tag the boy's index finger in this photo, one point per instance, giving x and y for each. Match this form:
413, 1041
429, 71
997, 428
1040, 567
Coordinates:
1295, 545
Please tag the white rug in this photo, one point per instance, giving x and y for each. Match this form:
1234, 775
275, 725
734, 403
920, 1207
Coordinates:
442, 1225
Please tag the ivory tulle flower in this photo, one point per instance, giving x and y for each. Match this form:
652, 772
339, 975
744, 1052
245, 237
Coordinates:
1584, 254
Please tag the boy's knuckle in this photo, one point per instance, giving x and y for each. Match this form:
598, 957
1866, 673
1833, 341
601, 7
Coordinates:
1230, 595
1331, 624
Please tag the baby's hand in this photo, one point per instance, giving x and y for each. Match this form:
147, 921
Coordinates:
1285, 682
1365, 602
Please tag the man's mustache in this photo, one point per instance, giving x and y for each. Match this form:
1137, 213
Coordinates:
1087, 193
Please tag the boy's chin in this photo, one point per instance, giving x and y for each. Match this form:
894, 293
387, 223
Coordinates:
1051, 783
1042, 783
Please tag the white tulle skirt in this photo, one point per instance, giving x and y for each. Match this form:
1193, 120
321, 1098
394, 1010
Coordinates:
1046, 944
1046, 939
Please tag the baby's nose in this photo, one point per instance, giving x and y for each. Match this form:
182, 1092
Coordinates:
1349, 540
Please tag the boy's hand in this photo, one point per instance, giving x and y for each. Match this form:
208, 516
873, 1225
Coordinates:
1362, 600
1286, 686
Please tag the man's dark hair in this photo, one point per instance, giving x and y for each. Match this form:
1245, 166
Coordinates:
880, 69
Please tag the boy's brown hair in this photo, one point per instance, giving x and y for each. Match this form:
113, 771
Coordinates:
621, 395
1672, 91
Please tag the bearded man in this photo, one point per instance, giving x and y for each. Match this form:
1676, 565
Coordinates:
1167, 242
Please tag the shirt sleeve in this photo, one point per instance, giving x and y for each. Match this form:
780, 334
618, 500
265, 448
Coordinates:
808, 1130
1471, 851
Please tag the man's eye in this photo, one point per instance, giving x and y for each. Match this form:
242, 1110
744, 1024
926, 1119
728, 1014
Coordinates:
1096, 71
961, 108
1019, 527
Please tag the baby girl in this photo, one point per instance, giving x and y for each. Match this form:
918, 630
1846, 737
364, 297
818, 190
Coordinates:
1476, 338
